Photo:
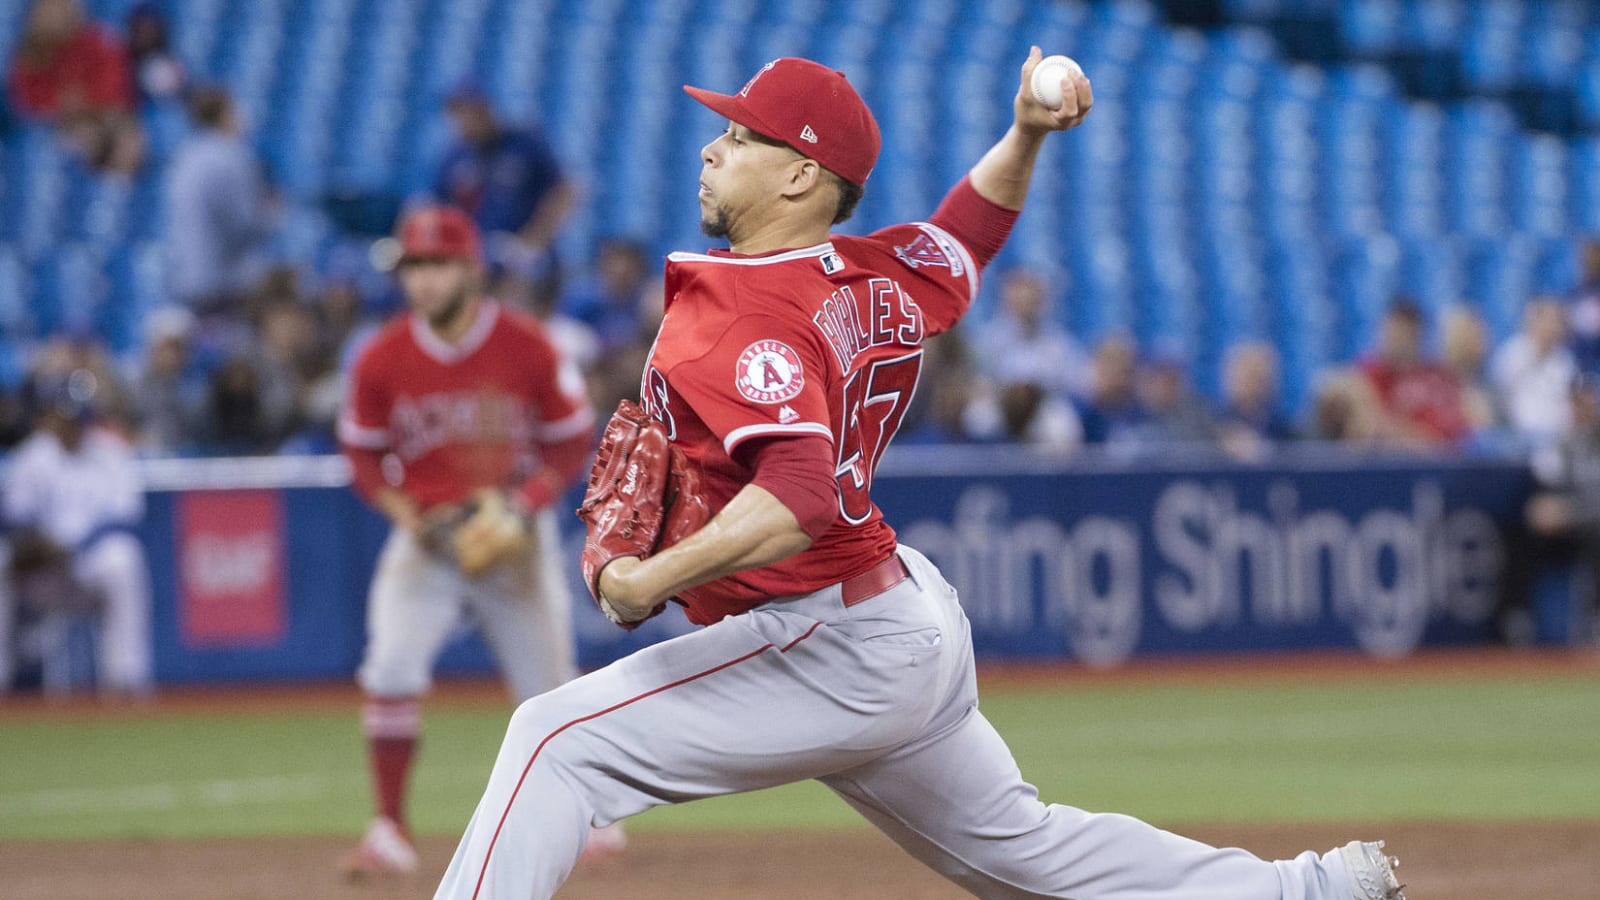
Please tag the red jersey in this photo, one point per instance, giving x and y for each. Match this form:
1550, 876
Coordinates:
1427, 396
457, 418
824, 341
89, 72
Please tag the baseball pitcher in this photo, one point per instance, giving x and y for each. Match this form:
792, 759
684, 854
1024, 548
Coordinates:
741, 491
463, 424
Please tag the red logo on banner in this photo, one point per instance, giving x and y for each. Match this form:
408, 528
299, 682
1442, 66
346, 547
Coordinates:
230, 568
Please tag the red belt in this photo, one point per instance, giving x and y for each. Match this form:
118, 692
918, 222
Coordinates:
873, 581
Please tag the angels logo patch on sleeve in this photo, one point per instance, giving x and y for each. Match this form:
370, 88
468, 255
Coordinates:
769, 372
931, 248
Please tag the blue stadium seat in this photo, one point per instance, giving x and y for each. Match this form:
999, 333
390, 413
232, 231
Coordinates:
16, 287
1433, 24
1370, 28
1551, 56
1491, 57
69, 288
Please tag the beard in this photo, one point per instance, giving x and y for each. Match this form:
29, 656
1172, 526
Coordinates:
715, 223
442, 317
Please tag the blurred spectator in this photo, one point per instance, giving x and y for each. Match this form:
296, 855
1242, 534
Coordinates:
1466, 350
1173, 414
506, 178
613, 375
286, 362
235, 422
171, 389
1346, 409
58, 357
525, 277
157, 73
1029, 414
1024, 344
1420, 398
939, 407
608, 300
221, 218
338, 319
1584, 314
1563, 516
1251, 421
73, 73
1532, 373
1111, 412
72, 500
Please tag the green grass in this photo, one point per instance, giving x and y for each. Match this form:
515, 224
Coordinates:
1469, 749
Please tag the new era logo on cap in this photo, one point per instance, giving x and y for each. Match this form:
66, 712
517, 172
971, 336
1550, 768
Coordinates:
796, 101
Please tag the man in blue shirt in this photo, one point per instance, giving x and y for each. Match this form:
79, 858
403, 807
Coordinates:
506, 178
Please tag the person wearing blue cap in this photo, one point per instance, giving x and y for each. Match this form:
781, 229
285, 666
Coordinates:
506, 177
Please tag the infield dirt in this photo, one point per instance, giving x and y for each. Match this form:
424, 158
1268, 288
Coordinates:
1523, 861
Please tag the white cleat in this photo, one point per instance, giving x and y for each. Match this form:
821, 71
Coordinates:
385, 850
1371, 871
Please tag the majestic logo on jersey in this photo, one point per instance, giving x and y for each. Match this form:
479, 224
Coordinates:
787, 415
769, 372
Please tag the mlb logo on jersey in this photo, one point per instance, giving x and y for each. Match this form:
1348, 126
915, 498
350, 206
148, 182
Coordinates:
769, 372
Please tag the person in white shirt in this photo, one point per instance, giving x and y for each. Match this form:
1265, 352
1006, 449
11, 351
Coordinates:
72, 494
1532, 374
1024, 344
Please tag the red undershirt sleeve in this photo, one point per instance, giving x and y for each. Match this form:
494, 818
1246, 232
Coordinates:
563, 460
367, 471
799, 472
981, 225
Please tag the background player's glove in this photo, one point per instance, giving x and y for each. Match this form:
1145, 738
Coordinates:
495, 531
478, 535
642, 497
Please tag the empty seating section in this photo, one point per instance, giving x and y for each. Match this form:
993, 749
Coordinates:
1222, 190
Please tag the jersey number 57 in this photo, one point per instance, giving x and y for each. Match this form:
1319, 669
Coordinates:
875, 401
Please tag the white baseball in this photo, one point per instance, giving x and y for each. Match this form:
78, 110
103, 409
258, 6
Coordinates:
1047, 75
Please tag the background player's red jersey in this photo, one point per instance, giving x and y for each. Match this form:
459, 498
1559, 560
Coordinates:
459, 418
826, 341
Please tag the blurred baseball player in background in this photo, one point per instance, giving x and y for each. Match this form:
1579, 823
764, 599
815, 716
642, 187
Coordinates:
463, 424
778, 378
73, 499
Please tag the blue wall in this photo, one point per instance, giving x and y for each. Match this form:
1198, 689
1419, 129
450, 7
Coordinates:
1096, 564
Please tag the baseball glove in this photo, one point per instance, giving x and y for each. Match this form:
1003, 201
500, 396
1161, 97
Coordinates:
642, 497
480, 534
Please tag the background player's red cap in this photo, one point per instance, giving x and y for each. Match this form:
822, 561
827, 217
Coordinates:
808, 106
439, 232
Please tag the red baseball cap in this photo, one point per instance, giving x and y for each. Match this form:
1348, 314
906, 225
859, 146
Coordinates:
439, 232
808, 106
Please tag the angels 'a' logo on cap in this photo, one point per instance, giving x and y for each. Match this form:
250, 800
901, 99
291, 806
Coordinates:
769, 372
745, 91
